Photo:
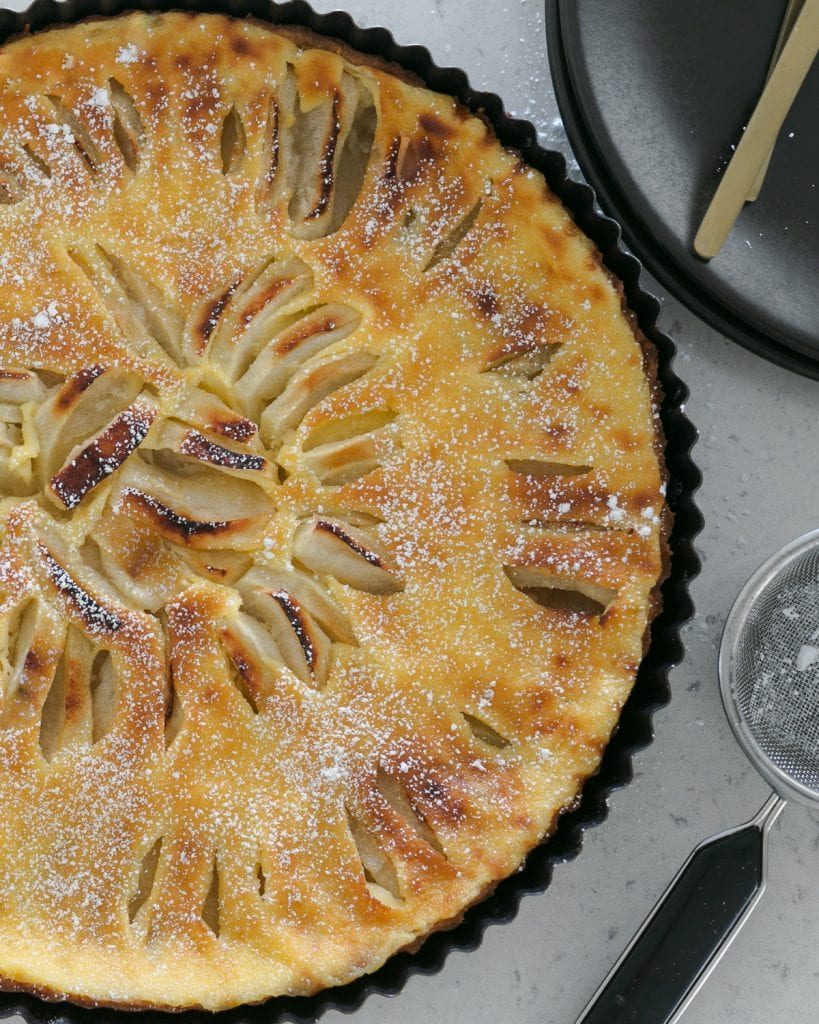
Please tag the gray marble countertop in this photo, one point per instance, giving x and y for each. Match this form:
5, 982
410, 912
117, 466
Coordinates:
758, 452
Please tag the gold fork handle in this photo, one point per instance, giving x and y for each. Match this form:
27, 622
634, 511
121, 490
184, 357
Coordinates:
793, 65
791, 13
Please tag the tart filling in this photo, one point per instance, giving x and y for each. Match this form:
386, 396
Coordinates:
332, 516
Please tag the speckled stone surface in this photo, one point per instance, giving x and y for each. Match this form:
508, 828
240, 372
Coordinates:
758, 453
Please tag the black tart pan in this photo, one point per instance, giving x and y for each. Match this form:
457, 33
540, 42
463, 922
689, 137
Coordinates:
651, 690
654, 94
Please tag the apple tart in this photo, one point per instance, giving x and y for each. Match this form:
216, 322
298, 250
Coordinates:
332, 516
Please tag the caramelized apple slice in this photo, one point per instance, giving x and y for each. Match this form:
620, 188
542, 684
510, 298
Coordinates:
332, 142
202, 514
290, 349
235, 325
333, 547
308, 388
86, 600
523, 365
217, 566
148, 316
378, 868
76, 133
66, 720
30, 637
310, 594
194, 447
232, 142
94, 460
562, 593
276, 148
304, 646
19, 386
137, 561
78, 409
342, 450
129, 131
209, 413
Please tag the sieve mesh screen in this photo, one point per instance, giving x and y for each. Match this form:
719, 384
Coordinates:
775, 690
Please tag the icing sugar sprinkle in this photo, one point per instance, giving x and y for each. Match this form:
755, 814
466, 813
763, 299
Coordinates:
46, 317
61, 131
615, 513
128, 54
100, 98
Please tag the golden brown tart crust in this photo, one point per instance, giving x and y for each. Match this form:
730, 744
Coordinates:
333, 511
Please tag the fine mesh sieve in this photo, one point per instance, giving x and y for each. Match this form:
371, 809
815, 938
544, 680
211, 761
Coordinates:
769, 682
769, 669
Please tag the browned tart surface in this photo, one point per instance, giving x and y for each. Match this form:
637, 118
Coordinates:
331, 511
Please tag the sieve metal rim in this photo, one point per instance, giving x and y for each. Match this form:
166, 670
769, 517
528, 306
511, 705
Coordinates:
779, 780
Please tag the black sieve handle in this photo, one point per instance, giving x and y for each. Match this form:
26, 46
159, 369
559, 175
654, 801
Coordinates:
714, 890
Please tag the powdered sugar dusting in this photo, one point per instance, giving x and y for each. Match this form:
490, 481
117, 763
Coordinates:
250, 686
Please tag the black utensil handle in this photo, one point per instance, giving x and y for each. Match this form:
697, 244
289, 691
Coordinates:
697, 913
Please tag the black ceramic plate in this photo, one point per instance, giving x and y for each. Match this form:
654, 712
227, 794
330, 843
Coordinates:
665, 649
654, 94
